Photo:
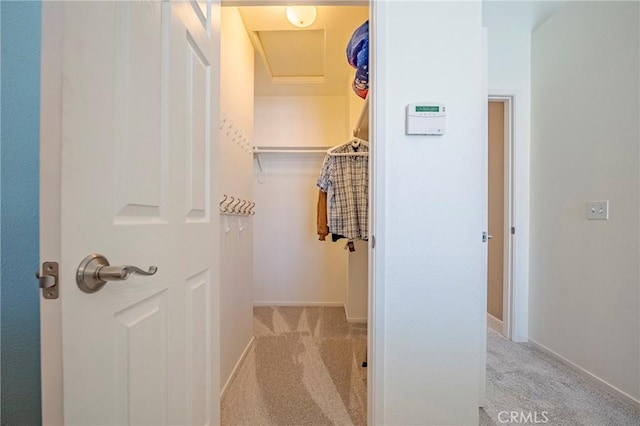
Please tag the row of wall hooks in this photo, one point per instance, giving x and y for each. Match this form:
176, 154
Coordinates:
237, 206
234, 133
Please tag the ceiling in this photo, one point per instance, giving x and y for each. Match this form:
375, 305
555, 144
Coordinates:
519, 14
308, 61
311, 61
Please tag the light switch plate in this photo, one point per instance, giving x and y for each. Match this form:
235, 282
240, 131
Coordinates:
598, 210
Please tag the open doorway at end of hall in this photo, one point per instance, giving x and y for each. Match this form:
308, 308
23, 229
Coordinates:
500, 202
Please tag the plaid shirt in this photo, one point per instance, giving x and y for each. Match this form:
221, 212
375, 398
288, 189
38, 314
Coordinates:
345, 179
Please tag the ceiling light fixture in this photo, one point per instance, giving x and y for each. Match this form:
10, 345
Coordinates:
301, 16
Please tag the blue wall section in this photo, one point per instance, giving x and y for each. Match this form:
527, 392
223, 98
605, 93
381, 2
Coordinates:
20, 302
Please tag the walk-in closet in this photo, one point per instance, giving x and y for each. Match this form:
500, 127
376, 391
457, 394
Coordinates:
294, 174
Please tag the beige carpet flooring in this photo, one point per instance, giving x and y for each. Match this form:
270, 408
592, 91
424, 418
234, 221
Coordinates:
304, 368
523, 379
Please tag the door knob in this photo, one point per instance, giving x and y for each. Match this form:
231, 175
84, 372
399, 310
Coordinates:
94, 271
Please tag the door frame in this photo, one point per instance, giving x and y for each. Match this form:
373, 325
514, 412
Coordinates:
508, 303
377, 177
375, 314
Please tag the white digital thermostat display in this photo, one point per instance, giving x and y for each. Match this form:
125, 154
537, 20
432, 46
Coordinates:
426, 118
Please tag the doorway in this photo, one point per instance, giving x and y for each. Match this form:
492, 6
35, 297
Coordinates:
500, 213
286, 99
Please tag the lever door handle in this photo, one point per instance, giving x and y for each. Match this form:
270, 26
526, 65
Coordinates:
120, 273
94, 271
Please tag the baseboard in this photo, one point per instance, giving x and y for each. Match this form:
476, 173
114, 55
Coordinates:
354, 320
494, 318
592, 377
328, 304
236, 368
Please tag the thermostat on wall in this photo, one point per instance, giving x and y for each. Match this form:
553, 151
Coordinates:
426, 118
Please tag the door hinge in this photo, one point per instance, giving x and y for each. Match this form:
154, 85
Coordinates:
513, 230
373, 241
48, 280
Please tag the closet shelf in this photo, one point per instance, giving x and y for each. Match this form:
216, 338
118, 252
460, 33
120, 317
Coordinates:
290, 149
259, 150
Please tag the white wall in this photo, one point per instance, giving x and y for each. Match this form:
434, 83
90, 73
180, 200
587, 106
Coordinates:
585, 292
300, 120
434, 192
236, 174
509, 66
290, 264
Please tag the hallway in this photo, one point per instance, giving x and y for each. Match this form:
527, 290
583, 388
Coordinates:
523, 379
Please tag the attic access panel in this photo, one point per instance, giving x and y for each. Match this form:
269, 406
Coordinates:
296, 53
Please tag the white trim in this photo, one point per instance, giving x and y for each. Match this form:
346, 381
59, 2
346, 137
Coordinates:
482, 356
592, 377
509, 305
377, 185
281, 303
236, 368
357, 320
520, 157
50, 186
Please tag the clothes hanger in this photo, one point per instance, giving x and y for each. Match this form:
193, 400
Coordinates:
355, 143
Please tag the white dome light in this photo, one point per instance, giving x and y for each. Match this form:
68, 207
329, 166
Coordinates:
301, 16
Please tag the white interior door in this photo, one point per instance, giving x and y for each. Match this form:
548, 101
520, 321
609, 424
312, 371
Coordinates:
138, 142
